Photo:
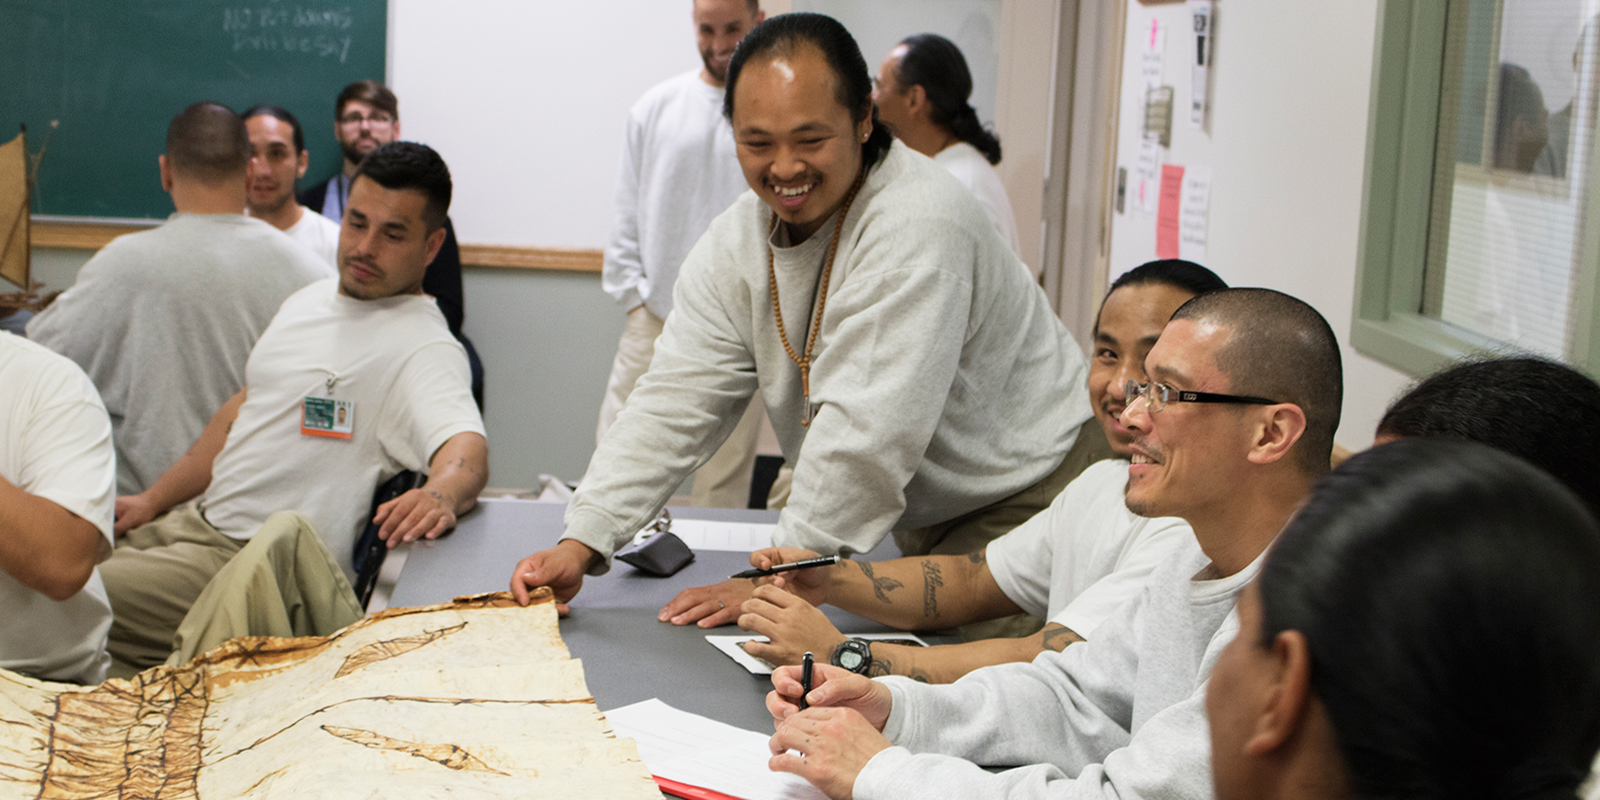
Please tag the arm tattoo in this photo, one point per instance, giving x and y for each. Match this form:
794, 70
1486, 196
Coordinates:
932, 579
880, 586
1057, 637
978, 556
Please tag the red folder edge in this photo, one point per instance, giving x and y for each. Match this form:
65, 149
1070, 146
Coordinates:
691, 792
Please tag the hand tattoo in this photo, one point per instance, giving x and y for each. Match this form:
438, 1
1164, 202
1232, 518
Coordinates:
880, 586
1057, 637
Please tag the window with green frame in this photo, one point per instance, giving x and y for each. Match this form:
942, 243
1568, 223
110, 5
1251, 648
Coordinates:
1481, 218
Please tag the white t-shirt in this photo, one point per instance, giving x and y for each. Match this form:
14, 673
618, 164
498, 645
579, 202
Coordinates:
679, 171
1075, 562
320, 235
408, 378
55, 443
976, 173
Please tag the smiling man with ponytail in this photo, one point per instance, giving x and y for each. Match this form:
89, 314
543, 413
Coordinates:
922, 93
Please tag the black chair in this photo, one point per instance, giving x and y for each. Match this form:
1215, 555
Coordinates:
370, 550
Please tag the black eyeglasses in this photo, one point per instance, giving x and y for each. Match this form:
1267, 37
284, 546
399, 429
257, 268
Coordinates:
1157, 395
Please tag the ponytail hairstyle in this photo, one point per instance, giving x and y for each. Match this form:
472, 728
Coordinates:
1449, 595
936, 64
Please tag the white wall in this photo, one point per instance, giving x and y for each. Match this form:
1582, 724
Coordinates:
1287, 146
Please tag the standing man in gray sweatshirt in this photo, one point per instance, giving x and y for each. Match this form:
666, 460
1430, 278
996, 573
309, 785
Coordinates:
1231, 434
678, 172
913, 372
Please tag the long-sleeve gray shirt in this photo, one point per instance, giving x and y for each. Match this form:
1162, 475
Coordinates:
1120, 716
941, 380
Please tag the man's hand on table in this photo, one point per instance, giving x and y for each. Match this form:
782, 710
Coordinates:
812, 584
419, 513
708, 606
836, 736
561, 568
793, 625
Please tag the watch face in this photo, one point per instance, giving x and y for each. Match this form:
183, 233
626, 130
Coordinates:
850, 659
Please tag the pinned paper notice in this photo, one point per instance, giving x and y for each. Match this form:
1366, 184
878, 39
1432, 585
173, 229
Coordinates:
1167, 224
1152, 60
1192, 213
1147, 176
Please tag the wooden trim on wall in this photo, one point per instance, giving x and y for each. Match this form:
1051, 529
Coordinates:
562, 259
95, 234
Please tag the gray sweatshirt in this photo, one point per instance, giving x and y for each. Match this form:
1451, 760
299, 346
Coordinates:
163, 321
941, 380
1120, 716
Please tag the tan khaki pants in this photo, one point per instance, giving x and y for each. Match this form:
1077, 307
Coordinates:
152, 579
724, 481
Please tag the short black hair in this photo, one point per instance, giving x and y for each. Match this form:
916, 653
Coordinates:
1449, 595
789, 33
1175, 272
1281, 348
1530, 407
207, 141
269, 110
1183, 275
409, 165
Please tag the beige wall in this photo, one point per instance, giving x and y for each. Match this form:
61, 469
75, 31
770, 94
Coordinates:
1287, 147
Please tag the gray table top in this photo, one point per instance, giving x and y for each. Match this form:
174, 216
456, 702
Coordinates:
627, 655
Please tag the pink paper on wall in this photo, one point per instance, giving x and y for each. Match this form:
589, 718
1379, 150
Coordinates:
1167, 214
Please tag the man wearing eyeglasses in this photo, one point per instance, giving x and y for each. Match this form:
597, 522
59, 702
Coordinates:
366, 116
1230, 433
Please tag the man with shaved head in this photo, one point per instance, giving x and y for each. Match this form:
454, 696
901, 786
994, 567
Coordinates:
1232, 429
163, 320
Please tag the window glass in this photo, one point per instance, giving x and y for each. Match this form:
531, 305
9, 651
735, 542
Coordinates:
1517, 114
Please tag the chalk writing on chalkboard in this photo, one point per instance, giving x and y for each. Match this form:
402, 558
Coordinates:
286, 30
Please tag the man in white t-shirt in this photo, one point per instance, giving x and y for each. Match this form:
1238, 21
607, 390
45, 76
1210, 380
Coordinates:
355, 380
921, 93
1072, 564
58, 479
678, 172
277, 158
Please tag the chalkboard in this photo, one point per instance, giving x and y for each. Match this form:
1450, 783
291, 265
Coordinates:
113, 73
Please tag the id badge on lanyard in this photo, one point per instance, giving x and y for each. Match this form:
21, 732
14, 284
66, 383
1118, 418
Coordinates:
326, 416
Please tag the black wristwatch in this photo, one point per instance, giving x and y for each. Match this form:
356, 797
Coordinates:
854, 655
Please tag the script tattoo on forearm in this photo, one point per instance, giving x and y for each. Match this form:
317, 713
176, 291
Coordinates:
1057, 637
880, 586
932, 579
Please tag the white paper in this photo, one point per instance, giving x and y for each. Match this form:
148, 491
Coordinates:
692, 749
731, 646
703, 534
1146, 188
1193, 209
1201, 14
1152, 59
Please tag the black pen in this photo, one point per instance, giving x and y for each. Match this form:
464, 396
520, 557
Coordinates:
793, 565
805, 679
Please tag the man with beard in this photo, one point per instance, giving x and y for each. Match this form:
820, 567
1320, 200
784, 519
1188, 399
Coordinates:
278, 157
366, 116
678, 172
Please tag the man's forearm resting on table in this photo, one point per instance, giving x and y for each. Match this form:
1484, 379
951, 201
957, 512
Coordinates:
920, 593
44, 546
947, 663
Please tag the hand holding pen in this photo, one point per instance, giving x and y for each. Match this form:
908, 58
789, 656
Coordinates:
813, 584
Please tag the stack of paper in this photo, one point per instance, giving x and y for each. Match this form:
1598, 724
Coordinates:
701, 753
